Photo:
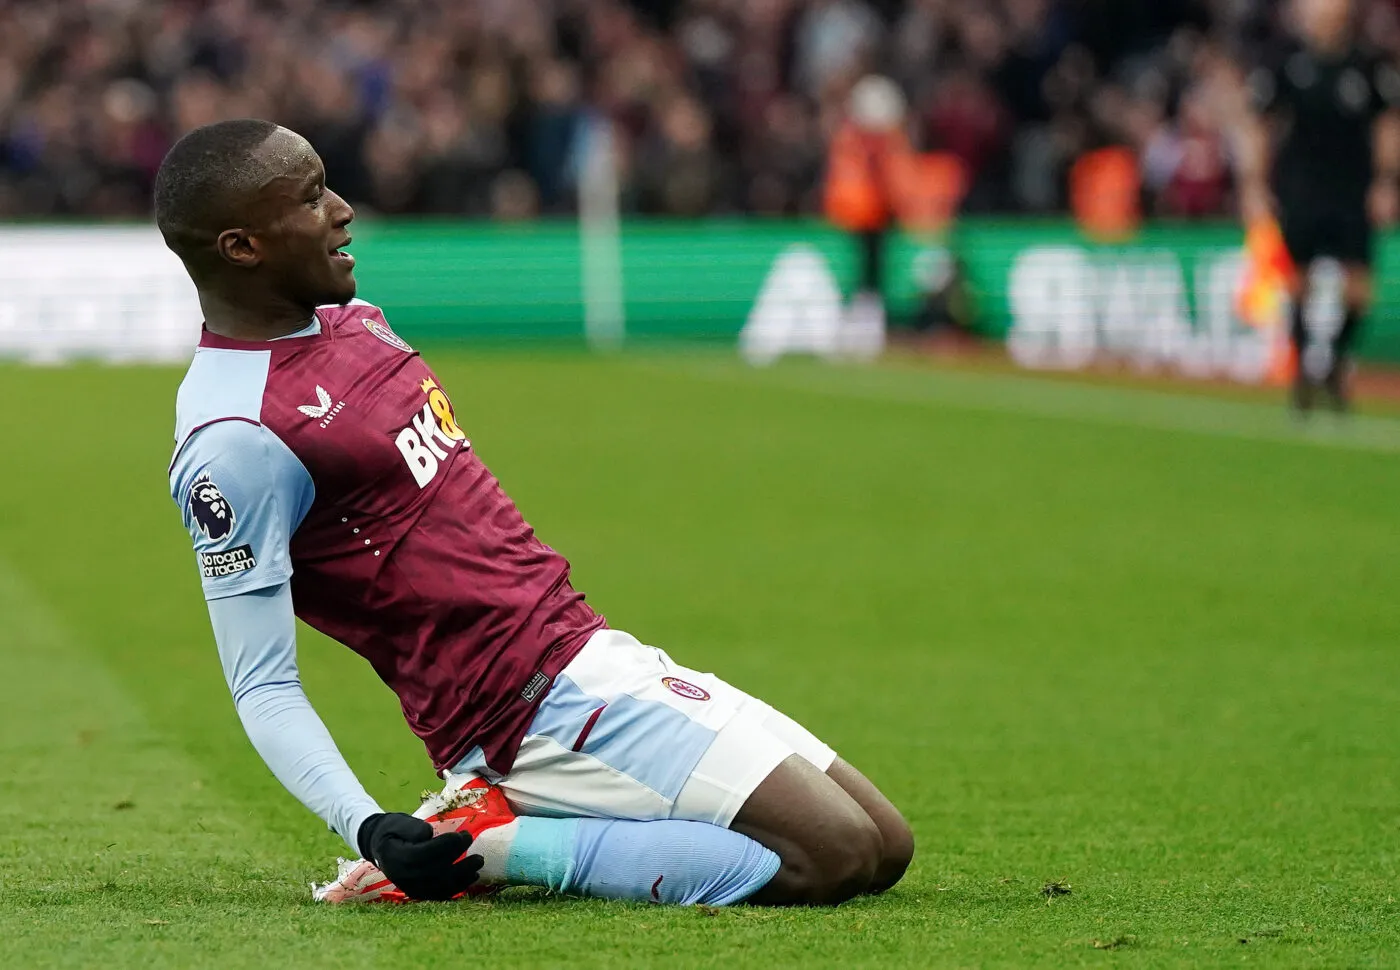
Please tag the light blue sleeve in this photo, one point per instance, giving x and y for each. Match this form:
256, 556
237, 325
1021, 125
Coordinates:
241, 494
256, 633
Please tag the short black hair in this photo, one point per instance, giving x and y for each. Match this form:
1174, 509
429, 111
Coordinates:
207, 178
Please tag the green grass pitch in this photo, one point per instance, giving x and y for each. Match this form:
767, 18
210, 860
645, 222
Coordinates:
1141, 642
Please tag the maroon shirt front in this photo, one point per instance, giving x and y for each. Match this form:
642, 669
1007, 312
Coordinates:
411, 554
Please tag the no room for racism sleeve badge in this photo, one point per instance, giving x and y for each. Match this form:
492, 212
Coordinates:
214, 517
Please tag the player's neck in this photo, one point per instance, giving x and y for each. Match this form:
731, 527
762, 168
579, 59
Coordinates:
274, 319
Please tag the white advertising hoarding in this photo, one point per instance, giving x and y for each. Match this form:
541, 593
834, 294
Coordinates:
104, 293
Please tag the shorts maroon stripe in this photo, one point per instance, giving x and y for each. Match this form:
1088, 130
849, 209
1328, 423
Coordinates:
587, 728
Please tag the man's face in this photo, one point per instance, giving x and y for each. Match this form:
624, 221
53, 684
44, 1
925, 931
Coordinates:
299, 227
1324, 22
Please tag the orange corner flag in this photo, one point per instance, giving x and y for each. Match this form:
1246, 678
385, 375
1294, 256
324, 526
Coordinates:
1266, 288
1269, 277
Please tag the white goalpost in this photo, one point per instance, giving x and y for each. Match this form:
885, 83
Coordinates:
600, 242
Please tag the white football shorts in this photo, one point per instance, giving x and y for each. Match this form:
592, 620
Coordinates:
625, 732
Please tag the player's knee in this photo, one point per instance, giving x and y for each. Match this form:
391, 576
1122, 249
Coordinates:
897, 851
854, 869
841, 868
1358, 289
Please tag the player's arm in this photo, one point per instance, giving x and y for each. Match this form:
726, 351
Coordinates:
242, 494
256, 634
1266, 91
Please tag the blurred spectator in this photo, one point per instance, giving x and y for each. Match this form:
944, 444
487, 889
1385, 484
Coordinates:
477, 107
679, 171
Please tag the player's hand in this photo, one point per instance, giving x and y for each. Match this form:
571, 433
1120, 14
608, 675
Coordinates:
424, 866
1383, 203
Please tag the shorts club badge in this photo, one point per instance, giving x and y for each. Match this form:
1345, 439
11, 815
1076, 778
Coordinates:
685, 689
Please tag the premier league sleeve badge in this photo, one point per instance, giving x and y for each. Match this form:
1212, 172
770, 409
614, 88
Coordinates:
209, 510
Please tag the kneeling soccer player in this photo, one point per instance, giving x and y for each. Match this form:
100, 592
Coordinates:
322, 473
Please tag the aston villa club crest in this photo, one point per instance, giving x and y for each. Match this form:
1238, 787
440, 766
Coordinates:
382, 331
685, 689
209, 509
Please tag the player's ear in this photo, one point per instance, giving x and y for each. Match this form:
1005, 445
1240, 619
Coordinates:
237, 247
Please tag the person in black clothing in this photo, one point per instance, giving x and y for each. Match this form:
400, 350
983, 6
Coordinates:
1330, 110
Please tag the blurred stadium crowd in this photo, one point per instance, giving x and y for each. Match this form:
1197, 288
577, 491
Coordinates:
485, 106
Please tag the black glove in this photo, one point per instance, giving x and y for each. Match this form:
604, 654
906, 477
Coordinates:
424, 866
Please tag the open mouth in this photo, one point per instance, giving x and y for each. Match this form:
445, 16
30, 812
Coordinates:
339, 255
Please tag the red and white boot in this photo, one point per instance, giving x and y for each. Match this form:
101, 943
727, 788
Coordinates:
357, 881
474, 808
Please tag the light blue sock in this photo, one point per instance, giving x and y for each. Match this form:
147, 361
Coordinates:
663, 862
